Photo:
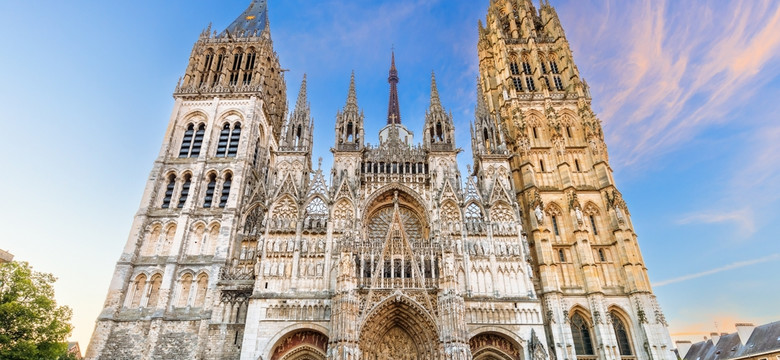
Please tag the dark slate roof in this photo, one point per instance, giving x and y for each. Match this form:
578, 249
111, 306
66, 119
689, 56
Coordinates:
765, 338
252, 21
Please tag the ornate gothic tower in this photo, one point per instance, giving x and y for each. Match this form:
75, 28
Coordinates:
588, 268
182, 283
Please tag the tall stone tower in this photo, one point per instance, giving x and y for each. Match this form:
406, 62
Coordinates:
589, 272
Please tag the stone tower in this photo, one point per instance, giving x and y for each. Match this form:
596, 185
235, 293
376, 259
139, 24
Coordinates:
588, 269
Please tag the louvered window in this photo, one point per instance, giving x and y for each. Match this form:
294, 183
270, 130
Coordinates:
518, 84
224, 137
169, 192
225, 191
514, 69
197, 142
529, 83
210, 188
186, 142
185, 191
558, 83
235, 137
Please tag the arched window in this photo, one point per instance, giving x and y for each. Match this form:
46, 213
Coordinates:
621, 334
154, 291
224, 137
577, 165
169, 191
580, 331
249, 66
220, 65
555, 225
593, 224
225, 190
185, 191
200, 293
602, 258
138, 291
237, 59
235, 137
561, 255
186, 142
197, 143
186, 287
513, 68
209, 59
541, 165
210, 188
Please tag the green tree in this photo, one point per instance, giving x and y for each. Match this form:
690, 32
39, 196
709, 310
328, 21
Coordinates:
32, 326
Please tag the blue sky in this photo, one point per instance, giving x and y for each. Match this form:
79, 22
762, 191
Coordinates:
687, 92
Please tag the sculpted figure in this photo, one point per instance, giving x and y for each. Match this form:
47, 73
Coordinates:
539, 214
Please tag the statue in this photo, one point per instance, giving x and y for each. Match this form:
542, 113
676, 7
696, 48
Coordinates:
539, 214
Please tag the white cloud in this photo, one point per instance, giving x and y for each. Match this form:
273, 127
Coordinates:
676, 68
732, 266
743, 218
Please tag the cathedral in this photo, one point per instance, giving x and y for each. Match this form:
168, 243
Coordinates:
244, 248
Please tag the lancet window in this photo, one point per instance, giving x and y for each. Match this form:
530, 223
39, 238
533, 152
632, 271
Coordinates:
169, 191
185, 191
225, 190
210, 188
580, 331
621, 334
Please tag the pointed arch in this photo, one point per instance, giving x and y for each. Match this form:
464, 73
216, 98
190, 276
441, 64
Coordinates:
304, 341
495, 343
581, 332
401, 317
621, 325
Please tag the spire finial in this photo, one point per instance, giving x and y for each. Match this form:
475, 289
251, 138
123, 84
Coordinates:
393, 109
302, 102
435, 100
352, 96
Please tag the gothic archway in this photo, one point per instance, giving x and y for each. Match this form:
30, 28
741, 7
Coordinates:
301, 345
493, 346
399, 329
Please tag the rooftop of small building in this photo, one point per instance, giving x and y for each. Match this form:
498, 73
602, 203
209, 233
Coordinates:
764, 339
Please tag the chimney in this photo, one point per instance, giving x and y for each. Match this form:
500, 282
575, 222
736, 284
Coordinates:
715, 337
745, 330
682, 348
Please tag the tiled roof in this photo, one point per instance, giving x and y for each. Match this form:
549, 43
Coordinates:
765, 338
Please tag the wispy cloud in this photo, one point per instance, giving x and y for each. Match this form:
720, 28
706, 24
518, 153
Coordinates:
732, 266
743, 218
678, 68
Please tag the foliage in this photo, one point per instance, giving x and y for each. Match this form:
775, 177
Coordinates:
32, 326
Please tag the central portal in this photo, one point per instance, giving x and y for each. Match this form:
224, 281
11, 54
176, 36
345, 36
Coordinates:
399, 329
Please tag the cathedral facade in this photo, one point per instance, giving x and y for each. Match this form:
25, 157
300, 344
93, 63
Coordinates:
243, 248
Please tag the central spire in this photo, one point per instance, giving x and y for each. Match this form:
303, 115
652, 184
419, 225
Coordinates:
393, 110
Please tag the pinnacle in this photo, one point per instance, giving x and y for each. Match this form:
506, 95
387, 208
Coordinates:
481, 106
434, 91
352, 96
302, 102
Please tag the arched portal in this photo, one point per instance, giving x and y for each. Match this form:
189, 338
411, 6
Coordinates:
301, 345
492, 346
399, 329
